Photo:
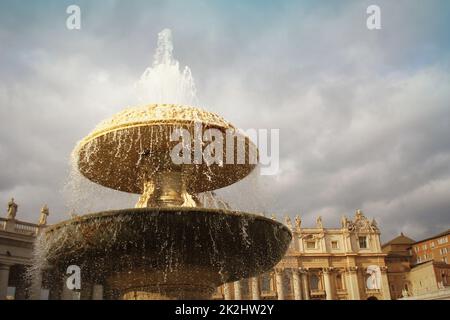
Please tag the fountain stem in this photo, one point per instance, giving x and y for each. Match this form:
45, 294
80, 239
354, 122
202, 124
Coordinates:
166, 189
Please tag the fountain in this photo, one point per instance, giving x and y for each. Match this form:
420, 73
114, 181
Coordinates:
169, 246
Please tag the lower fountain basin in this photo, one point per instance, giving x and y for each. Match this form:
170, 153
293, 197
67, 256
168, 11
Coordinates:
175, 252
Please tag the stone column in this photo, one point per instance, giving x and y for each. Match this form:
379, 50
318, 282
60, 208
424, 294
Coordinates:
327, 283
385, 284
255, 289
4, 279
227, 291
305, 282
279, 283
297, 284
237, 290
97, 292
352, 283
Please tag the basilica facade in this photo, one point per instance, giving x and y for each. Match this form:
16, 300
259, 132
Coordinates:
344, 263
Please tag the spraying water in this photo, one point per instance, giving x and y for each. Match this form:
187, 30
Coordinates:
164, 82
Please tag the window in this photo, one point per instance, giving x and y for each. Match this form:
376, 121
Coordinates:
266, 283
443, 240
419, 260
444, 251
310, 244
432, 244
314, 282
445, 260
334, 245
339, 282
424, 247
363, 242
287, 283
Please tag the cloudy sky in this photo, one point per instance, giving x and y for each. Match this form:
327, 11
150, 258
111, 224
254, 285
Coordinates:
364, 115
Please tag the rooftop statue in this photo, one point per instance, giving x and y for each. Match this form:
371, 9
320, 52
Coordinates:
12, 209
44, 214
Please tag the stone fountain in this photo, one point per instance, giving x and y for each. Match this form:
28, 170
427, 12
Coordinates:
169, 246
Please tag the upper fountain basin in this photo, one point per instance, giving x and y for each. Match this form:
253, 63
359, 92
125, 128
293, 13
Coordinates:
124, 151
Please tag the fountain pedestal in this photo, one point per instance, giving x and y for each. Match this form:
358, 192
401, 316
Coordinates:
168, 247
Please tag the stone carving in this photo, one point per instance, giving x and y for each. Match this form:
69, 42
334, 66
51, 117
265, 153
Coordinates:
288, 222
344, 222
318, 236
44, 214
352, 269
405, 293
373, 282
319, 223
375, 225
361, 224
298, 223
12, 209
327, 269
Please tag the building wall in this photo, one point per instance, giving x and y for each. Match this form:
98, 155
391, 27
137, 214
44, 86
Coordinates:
437, 249
423, 279
16, 248
411, 277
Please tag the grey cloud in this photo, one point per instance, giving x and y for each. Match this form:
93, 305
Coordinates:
363, 116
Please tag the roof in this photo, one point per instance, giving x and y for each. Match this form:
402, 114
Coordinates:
401, 239
433, 262
435, 236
